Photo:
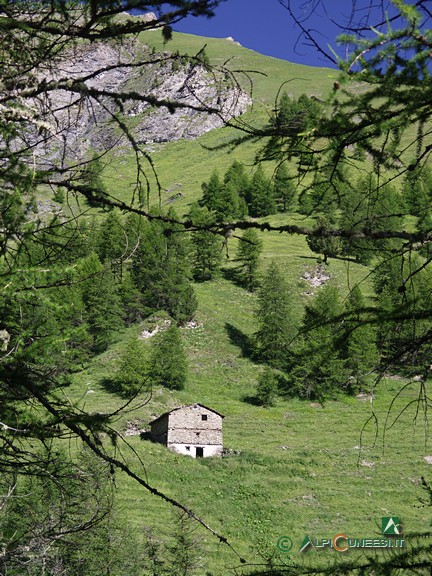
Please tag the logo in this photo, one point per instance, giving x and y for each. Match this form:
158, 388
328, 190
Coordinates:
341, 542
306, 543
285, 544
391, 526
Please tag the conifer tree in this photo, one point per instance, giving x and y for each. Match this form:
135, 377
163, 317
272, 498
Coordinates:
235, 205
111, 238
404, 298
207, 246
417, 190
424, 225
266, 388
319, 368
212, 192
111, 243
161, 270
325, 199
322, 242
276, 316
261, 199
92, 178
73, 323
103, 309
284, 190
132, 375
184, 552
366, 208
248, 253
359, 345
328, 189
221, 199
236, 178
131, 299
168, 365
288, 127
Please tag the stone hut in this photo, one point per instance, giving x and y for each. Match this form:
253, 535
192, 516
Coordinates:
194, 430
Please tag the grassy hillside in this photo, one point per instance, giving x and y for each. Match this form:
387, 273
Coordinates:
298, 468
186, 164
302, 468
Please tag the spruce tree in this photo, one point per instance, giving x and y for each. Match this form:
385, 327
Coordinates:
368, 208
319, 368
328, 189
168, 365
424, 225
404, 298
324, 199
248, 253
237, 179
360, 348
322, 242
132, 375
161, 270
234, 206
207, 246
111, 243
221, 199
91, 177
261, 199
266, 388
291, 121
417, 190
284, 190
212, 192
276, 316
103, 310
131, 299
184, 552
111, 238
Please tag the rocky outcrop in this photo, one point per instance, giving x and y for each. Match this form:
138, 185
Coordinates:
231, 39
191, 86
89, 122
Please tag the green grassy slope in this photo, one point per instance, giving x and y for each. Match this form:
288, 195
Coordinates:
189, 163
302, 468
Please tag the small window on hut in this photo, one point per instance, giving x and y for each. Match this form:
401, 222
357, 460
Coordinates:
203, 416
188, 448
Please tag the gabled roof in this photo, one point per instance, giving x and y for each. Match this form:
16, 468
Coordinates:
186, 406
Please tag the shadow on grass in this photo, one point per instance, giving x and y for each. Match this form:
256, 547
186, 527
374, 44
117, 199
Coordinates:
241, 340
111, 386
234, 275
320, 260
283, 389
250, 400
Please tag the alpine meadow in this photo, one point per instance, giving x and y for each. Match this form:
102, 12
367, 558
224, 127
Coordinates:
215, 293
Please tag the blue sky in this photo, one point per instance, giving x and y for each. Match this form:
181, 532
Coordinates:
265, 26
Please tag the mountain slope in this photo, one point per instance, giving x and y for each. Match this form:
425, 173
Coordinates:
297, 468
